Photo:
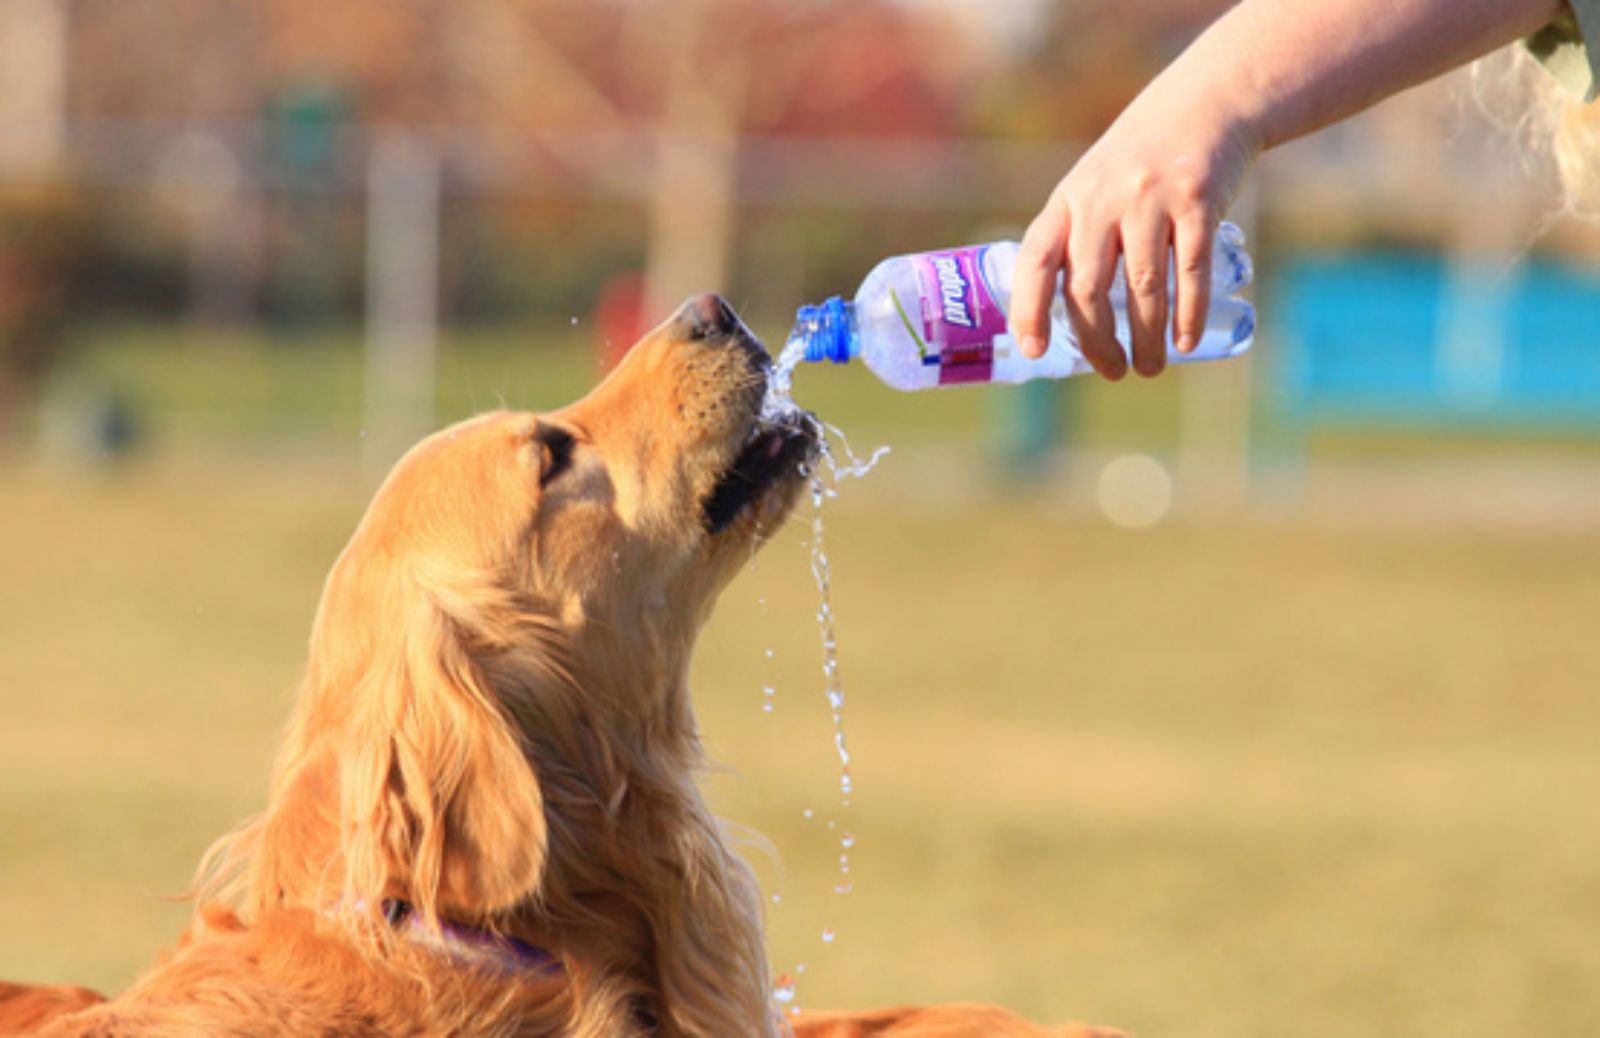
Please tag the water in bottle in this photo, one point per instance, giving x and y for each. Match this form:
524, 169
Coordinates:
939, 319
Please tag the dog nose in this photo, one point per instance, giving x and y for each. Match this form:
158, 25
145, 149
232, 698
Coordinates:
707, 316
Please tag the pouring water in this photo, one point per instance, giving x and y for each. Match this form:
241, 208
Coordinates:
837, 465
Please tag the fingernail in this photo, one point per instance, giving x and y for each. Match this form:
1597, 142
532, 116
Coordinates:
1032, 346
1186, 344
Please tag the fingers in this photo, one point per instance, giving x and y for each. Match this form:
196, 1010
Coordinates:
1158, 231
1191, 250
1091, 266
1145, 242
1039, 261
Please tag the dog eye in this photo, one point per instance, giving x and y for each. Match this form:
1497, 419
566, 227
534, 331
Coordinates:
555, 447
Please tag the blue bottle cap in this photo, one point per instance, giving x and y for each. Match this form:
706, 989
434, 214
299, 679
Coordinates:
828, 329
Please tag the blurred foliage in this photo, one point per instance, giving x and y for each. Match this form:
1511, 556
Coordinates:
508, 259
44, 227
502, 260
1081, 65
307, 88
287, 96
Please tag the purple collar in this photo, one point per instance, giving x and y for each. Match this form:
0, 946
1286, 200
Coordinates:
480, 949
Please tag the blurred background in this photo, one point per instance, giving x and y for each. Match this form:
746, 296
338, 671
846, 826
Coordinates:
1257, 699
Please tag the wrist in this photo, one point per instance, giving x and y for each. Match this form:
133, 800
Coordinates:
1218, 124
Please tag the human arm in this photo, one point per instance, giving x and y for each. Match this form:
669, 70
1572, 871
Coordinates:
1161, 177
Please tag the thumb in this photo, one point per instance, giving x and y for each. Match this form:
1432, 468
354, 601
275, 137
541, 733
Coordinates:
1033, 283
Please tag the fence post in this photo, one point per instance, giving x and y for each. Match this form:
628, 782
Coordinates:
33, 85
402, 293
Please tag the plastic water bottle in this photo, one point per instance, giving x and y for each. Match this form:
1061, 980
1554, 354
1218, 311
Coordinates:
939, 319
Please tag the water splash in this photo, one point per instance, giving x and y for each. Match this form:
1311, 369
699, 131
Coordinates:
779, 402
833, 687
839, 462
779, 406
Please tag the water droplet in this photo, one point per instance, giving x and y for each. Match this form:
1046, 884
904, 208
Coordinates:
847, 840
827, 936
800, 968
777, 899
834, 451
766, 708
841, 888
807, 813
574, 322
783, 993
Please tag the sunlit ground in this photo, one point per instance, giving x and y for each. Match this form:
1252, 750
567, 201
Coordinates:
1253, 779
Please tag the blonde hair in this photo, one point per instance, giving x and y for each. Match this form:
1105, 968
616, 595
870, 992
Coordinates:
1555, 128
1576, 147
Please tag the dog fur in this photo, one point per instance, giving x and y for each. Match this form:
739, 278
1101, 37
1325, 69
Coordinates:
494, 729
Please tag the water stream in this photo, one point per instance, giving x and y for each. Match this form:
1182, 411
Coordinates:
838, 463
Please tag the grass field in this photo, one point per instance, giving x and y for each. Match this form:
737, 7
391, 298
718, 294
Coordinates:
1255, 779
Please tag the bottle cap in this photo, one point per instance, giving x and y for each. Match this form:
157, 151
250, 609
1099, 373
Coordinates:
829, 330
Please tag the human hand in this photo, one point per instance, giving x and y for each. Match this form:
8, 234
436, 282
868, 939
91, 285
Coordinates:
1154, 186
1265, 72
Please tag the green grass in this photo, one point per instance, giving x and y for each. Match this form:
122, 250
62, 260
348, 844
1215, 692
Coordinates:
1246, 780
193, 385
209, 391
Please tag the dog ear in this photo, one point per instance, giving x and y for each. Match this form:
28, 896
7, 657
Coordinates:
439, 800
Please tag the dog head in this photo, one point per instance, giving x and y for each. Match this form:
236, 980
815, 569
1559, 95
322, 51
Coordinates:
523, 588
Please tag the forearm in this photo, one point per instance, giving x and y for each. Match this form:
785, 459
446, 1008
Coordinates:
1279, 69
1157, 182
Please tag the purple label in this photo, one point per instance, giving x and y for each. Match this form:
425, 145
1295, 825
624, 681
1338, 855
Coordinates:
960, 319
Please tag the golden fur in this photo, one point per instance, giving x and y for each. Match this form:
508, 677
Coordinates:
494, 727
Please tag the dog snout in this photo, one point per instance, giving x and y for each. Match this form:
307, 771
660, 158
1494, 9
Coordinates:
708, 320
708, 316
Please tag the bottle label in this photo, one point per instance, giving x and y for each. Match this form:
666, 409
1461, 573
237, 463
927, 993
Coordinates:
960, 318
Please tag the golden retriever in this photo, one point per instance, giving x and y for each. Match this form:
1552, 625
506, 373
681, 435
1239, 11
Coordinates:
483, 819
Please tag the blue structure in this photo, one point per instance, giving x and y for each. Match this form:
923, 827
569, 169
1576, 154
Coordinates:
1409, 339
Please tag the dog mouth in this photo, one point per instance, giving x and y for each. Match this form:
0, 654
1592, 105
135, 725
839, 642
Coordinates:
776, 450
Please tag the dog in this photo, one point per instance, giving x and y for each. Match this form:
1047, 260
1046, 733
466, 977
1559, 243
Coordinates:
483, 818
